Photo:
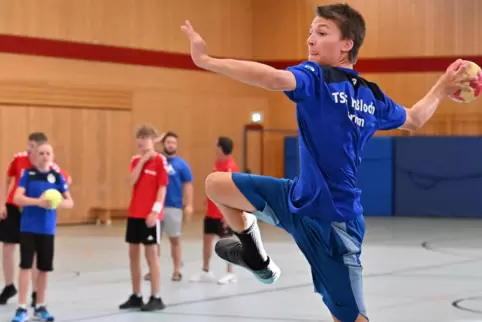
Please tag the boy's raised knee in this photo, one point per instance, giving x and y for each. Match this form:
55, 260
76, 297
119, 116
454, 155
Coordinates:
214, 183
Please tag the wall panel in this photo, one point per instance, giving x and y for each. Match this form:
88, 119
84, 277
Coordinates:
149, 24
405, 28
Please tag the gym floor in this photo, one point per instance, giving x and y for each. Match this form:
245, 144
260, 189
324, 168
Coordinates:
416, 269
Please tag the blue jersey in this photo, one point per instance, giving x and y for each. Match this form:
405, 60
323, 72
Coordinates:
337, 112
36, 219
179, 174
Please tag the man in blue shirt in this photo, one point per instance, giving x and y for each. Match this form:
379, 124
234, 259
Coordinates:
180, 186
37, 227
337, 112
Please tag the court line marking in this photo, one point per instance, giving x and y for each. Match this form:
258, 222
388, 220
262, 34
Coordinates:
456, 304
276, 290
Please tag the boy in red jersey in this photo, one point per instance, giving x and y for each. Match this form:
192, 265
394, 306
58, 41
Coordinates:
214, 224
149, 179
10, 214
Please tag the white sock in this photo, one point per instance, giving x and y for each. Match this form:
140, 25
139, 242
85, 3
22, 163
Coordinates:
138, 294
23, 306
39, 305
156, 296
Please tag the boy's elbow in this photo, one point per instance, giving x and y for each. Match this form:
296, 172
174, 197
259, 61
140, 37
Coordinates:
413, 121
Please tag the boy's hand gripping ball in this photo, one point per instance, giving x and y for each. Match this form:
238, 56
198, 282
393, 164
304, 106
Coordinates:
470, 94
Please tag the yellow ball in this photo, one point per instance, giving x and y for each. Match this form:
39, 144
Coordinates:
54, 196
469, 95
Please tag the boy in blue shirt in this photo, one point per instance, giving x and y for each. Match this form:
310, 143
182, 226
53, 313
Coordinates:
37, 227
337, 112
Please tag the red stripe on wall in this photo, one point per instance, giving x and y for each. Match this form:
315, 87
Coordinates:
133, 56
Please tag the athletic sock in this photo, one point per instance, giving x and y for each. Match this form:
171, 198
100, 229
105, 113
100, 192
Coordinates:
253, 250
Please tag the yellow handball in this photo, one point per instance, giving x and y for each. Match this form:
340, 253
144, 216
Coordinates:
54, 196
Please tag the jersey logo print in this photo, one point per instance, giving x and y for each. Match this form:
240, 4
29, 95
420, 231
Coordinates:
170, 170
309, 67
150, 172
51, 178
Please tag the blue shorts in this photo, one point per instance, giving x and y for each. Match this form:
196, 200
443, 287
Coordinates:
332, 248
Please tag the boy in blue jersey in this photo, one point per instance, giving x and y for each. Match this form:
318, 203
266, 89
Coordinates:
175, 206
337, 112
37, 228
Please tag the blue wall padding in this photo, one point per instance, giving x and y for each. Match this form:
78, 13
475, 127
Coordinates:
375, 176
438, 176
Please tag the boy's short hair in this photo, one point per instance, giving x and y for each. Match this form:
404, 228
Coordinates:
146, 132
226, 145
38, 137
350, 21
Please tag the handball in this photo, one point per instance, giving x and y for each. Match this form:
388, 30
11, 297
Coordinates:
54, 196
469, 95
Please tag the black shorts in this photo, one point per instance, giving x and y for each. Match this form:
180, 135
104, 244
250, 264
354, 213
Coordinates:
215, 226
10, 226
42, 245
137, 232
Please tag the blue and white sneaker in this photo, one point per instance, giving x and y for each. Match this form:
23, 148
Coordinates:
42, 314
231, 251
21, 315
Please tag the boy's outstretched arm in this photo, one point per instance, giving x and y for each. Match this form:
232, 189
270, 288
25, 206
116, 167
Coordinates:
247, 72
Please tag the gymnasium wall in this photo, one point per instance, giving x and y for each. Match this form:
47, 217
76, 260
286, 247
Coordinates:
90, 108
113, 64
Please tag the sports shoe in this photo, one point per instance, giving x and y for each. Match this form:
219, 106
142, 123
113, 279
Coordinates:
203, 277
21, 315
42, 314
8, 292
231, 251
229, 278
154, 304
134, 302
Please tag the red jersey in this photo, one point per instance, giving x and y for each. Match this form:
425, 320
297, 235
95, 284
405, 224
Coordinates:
20, 162
228, 165
144, 194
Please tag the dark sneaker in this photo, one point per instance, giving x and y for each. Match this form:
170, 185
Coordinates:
34, 300
154, 304
42, 314
134, 302
8, 292
231, 251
